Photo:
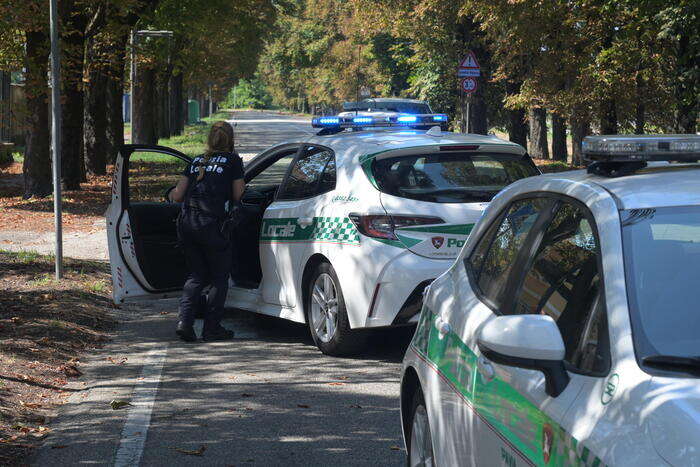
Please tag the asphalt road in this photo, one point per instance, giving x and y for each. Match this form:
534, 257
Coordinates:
256, 131
268, 397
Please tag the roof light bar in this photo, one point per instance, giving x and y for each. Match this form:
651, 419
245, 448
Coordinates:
407, 119
636, 148
367, 121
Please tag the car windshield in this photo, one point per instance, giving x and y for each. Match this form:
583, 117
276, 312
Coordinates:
662, 254
450, 177
402, 107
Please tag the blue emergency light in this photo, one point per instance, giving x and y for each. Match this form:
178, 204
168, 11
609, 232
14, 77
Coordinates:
379, 121
407, 119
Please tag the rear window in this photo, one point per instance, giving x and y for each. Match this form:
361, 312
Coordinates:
402, 107
450, 178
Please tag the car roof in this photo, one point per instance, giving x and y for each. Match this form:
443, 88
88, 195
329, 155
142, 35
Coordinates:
358, 143
394, 99
659, 185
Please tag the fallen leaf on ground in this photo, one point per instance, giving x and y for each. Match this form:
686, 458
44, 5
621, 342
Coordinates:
117, 404
395, 448
303, 406
59, 446
30, 405
336, 384
71, 370
196, 452
164, 312
120, 362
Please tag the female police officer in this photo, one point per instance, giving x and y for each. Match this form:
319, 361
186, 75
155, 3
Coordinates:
208, 182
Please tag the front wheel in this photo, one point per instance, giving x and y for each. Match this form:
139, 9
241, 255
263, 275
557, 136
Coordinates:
327, 316
420, 448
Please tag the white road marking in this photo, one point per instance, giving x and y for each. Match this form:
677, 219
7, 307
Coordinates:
271, 120
139, 417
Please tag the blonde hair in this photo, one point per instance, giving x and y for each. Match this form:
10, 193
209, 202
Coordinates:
220, 140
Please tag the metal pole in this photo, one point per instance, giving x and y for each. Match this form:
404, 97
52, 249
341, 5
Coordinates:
56, 134
132, 79
211, 102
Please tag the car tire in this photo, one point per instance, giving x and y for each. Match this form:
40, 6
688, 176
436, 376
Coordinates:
327, 316
419, 445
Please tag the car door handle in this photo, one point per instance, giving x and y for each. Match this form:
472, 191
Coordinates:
305, 221
442, 326
485, 369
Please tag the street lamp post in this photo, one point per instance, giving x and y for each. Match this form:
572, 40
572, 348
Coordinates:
134, 36
56, 134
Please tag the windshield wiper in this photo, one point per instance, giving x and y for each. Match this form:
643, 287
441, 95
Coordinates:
690, 364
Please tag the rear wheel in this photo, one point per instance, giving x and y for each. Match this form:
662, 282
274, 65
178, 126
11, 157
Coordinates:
326, 314
420, 447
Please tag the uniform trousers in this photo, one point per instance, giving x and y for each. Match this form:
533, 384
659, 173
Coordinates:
208, 256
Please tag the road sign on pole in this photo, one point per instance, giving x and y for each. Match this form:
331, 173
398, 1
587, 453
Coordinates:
468, 66
56, 134
469, 85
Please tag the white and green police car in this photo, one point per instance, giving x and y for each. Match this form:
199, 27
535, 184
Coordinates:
343, 231
568, 332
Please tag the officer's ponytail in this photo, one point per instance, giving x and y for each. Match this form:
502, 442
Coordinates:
220, 140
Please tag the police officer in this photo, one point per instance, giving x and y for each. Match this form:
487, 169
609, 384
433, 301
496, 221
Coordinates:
207, 183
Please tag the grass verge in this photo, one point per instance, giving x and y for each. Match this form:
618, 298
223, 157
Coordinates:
45, 326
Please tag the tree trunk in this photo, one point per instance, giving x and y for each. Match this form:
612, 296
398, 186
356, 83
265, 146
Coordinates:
95, 115
176, 108
580, 128
608, 117
73, 43
37, 162
164, 129
115, 101
538, 148
559, 148
685, 90
517, 126
144, 125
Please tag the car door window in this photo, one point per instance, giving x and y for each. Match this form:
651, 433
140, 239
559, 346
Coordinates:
496, 253
273, 175
308, 176
563, 282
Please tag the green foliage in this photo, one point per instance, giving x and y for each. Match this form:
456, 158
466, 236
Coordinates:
249, 93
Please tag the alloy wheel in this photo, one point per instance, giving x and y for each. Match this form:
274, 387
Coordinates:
324, 308
421, 442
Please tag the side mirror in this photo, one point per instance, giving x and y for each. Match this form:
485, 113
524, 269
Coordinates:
527, 341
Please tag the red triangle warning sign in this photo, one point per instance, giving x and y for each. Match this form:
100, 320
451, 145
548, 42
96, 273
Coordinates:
469, 62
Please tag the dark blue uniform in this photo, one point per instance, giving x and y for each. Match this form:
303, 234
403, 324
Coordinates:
207, 251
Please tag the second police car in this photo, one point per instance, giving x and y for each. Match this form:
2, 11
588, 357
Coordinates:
344, 230
567, 332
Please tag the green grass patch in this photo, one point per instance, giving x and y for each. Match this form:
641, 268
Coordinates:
27, 257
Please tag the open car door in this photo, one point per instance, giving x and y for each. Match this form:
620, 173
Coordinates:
145, 258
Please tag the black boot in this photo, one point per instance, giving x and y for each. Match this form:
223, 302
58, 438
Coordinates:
185, 332
218, 333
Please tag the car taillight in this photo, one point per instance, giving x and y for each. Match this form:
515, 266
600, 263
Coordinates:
383, 226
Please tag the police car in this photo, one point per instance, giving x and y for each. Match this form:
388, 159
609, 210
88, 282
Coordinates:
343, 231
567, 331
392, 109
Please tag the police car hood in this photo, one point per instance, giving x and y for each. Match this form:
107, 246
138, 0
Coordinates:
671, 410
